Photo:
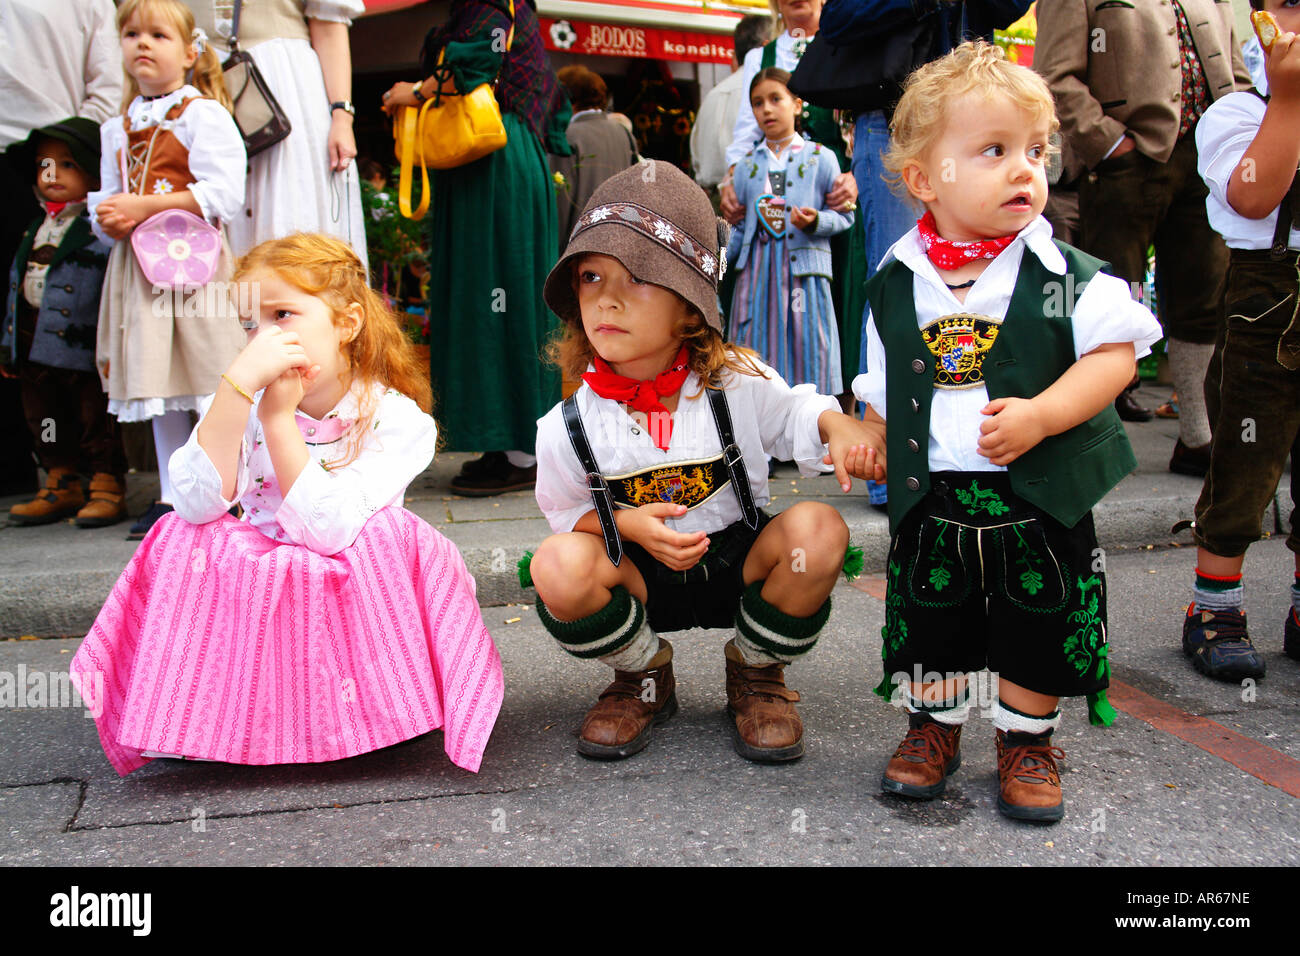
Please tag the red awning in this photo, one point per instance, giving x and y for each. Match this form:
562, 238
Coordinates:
652, 43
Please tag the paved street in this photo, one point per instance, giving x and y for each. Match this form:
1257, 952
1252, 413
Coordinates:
1153, 789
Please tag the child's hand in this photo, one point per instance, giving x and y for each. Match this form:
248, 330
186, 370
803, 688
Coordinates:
645, 526
7, 371
1013, 427
124, 206
284, 394
269, 354
803, 217
1282, 67
856, 449
116, 227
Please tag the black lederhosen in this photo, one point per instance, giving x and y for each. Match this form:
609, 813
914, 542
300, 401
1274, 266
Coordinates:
707, 595
978, 578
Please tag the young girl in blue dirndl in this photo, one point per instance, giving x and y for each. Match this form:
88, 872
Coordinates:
782, 305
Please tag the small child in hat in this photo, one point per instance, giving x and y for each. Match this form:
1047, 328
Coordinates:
653, 475
995, 353
48, 340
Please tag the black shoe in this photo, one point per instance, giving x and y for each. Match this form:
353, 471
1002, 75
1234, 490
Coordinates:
1190, 461
488, 463
1219, 646
1126, 404
144, 524
1291, 636
495, 479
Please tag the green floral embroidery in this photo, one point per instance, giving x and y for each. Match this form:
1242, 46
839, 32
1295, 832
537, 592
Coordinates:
1084, 647
978, 499
939, 573
1031, 579
895, 630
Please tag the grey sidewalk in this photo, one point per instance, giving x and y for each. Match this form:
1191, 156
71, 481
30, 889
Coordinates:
53, 579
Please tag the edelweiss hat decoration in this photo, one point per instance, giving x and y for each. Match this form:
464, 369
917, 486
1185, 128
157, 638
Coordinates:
660, 225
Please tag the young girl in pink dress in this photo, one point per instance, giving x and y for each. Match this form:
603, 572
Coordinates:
328, 621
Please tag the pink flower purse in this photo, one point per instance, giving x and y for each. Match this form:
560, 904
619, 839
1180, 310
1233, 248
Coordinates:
177, 248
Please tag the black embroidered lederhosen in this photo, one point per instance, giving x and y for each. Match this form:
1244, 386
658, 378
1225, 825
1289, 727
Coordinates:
708, 594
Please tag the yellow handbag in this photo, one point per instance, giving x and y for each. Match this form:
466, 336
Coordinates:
446, 131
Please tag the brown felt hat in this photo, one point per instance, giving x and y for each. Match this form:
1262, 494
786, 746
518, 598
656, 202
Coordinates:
660, 225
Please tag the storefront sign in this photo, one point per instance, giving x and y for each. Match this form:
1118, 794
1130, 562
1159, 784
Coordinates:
610, 39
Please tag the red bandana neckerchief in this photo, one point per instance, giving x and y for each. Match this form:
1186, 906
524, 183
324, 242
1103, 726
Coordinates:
52, 209
643, 396
950, 253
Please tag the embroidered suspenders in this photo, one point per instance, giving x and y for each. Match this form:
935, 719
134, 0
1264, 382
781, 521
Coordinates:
603, 498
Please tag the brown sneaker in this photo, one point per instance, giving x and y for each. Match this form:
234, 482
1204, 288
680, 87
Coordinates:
628, 710
60, 498
923, 761
764, 721
1029, 783
107, 504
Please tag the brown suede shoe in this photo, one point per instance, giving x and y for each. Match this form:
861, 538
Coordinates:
60, 498
107, 504
921, 764
1029, 783
764, 721
628, 710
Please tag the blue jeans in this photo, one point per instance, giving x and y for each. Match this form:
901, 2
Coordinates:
885, 216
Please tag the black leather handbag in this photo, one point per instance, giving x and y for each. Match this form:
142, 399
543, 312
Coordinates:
868, 75
260, 120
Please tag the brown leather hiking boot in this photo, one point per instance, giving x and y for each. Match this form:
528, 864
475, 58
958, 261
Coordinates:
628, 710
1029, 783
107, 504
60, 498
928, 754
766, 726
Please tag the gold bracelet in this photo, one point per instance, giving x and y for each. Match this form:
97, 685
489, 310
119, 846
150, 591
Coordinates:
237, 388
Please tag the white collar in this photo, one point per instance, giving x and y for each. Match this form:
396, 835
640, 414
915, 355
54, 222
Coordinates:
159, 107
582, 113
1037, 237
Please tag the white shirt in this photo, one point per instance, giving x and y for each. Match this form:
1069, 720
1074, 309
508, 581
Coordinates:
216, 154
324, 510
49, 233
1104, 312
1222, 138
746, 132
714, 125
58, 58
769, 418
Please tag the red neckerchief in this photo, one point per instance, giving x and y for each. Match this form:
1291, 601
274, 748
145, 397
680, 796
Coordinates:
643, 396
52, 209
950, 253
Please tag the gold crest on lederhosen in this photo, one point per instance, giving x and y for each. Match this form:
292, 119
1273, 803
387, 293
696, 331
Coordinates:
960, 342
689, 483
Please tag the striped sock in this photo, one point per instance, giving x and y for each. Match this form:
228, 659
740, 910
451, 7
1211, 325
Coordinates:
1215, 593
612, 628
767, 635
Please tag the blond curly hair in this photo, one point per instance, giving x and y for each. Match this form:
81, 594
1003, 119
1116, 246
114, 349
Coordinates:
924, 111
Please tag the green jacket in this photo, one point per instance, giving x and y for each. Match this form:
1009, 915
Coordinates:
1065, 474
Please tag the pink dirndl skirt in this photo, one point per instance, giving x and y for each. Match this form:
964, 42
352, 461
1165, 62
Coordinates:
219, 643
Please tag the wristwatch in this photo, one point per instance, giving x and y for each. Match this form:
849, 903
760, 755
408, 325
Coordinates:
418, 92
343, 105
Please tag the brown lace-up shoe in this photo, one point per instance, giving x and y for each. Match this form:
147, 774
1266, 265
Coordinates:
1029, 783
60, 498
628, 710
766, 726
107, 504
923, 761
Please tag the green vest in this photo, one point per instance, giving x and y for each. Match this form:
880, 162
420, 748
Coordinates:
1065, 474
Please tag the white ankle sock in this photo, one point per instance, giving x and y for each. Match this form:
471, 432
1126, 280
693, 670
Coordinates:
637, 653
521, 459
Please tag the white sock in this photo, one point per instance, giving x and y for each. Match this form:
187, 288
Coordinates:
1188, 364
953, 716
1008, 720
637, 653
521, 459
171, 430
